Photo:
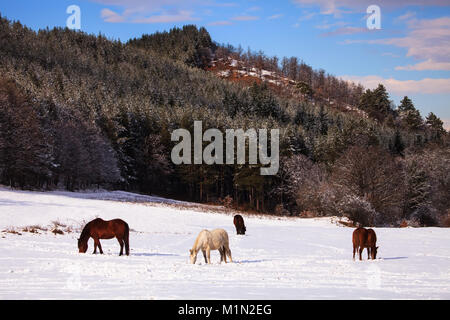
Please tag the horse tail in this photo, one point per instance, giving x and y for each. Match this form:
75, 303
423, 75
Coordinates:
126, 239
229, 253
226, 247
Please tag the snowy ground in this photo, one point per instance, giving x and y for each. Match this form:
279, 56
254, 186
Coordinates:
276, 259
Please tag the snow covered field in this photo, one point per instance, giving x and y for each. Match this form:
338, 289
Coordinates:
278, 258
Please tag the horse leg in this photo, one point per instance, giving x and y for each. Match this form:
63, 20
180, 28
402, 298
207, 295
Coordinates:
368, 253
204, 256
100, 247
360, 252
228, 251
223, 254
208, 256
127, 244
95, 245
354, 251
121, 245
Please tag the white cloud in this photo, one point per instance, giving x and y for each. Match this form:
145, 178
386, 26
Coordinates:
221, 4
344, 30
154, 11
338, 7
221, 23
307, 16
111, 16
167, 18
245, 18
446, 124
403, 87
145, 4
275, 16
408, 15
390, 54
325, 25
427, 40
426, 65
255, 8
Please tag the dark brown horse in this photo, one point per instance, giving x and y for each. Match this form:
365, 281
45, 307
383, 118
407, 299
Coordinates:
101, 229
239, 224
365, 238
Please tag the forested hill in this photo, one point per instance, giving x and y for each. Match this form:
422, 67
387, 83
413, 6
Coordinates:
288, 77
81, 111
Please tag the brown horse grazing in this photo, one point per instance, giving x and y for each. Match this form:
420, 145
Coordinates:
365, 238
239, 224
101, 229
371, 244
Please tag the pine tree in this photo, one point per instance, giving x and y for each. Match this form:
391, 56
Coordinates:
397, 146
405, 105
418, 190
413, 120
376, 103
436, 126
409, 115
24, 155
323, 121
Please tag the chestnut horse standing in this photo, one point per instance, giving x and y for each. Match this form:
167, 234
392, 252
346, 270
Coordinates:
101, 229
365, 238
239, 224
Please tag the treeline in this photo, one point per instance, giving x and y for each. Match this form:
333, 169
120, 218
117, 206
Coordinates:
80, 111
42, 146
314, 85
189, 45
196, 48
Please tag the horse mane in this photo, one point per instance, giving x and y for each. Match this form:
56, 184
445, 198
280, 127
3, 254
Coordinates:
195, 247
86, 231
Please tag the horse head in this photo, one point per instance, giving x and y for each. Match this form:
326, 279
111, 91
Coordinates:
193, 256
374, 253
82, 246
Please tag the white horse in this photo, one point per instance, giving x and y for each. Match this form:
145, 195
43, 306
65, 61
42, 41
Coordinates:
206, 241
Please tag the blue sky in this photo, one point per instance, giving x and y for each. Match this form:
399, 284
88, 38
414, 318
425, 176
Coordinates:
410, 54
